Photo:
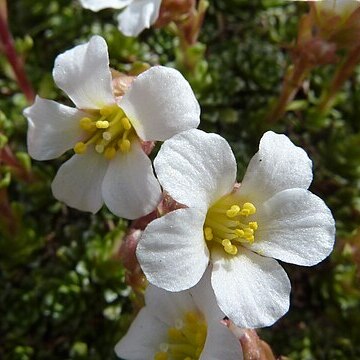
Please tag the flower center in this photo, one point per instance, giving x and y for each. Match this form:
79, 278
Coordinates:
185, 340
109, 131
226, 223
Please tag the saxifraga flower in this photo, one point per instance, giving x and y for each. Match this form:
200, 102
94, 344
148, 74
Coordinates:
109, 164
238, 230
185, 325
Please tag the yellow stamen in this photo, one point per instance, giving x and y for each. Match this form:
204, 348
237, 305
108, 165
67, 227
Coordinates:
185, 340
110, 153
87, 124
248, 209
80, 148
102, 124
109, 131
208, 234
233, 211
225, 224
126, 123
124, 145
106, 135
99, 148
253, 225
161, 356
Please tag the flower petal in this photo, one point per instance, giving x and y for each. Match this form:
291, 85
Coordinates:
130, 189
160, 103
96, 5
253, 291
172, 250
78, 181
196, 168
139, 15
204, 298
83, 73
168, 306
53, 128
143, 338
278, 165
221, 344
295, 226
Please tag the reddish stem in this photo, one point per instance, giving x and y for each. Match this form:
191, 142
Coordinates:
292, 83
16, 63
342, 74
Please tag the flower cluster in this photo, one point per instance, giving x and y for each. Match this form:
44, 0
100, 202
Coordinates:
215, 254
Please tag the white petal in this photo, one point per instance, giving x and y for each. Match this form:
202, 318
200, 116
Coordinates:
172, 250
139, 15
204, 297
143, 338
278, 165
130, 189
96, 5
160, 103
295, 226
53, 128
221, 344
253, 291
168, 306
196, 168
83, 73
78, 181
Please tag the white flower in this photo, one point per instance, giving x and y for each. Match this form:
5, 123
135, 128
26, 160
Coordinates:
240, 231
183, 325
138, 15
109, 165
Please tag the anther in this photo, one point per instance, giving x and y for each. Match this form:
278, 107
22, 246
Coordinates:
239, 232
102, 124
226, 243
253, 225
208, 233
106, 135
87, 124
80, 148
110, 153
124, 145
126, 123
99, 148
248, 209
233, 211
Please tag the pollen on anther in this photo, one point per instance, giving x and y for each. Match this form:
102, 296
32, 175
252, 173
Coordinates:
248, 209
110, 153
102, 124
208, 233
99, 148
86, 124
124, 145
253, 225
233, 211
80, 148
106, 135
126, 123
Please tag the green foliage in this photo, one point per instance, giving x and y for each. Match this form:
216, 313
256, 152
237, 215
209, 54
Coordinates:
63, 290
